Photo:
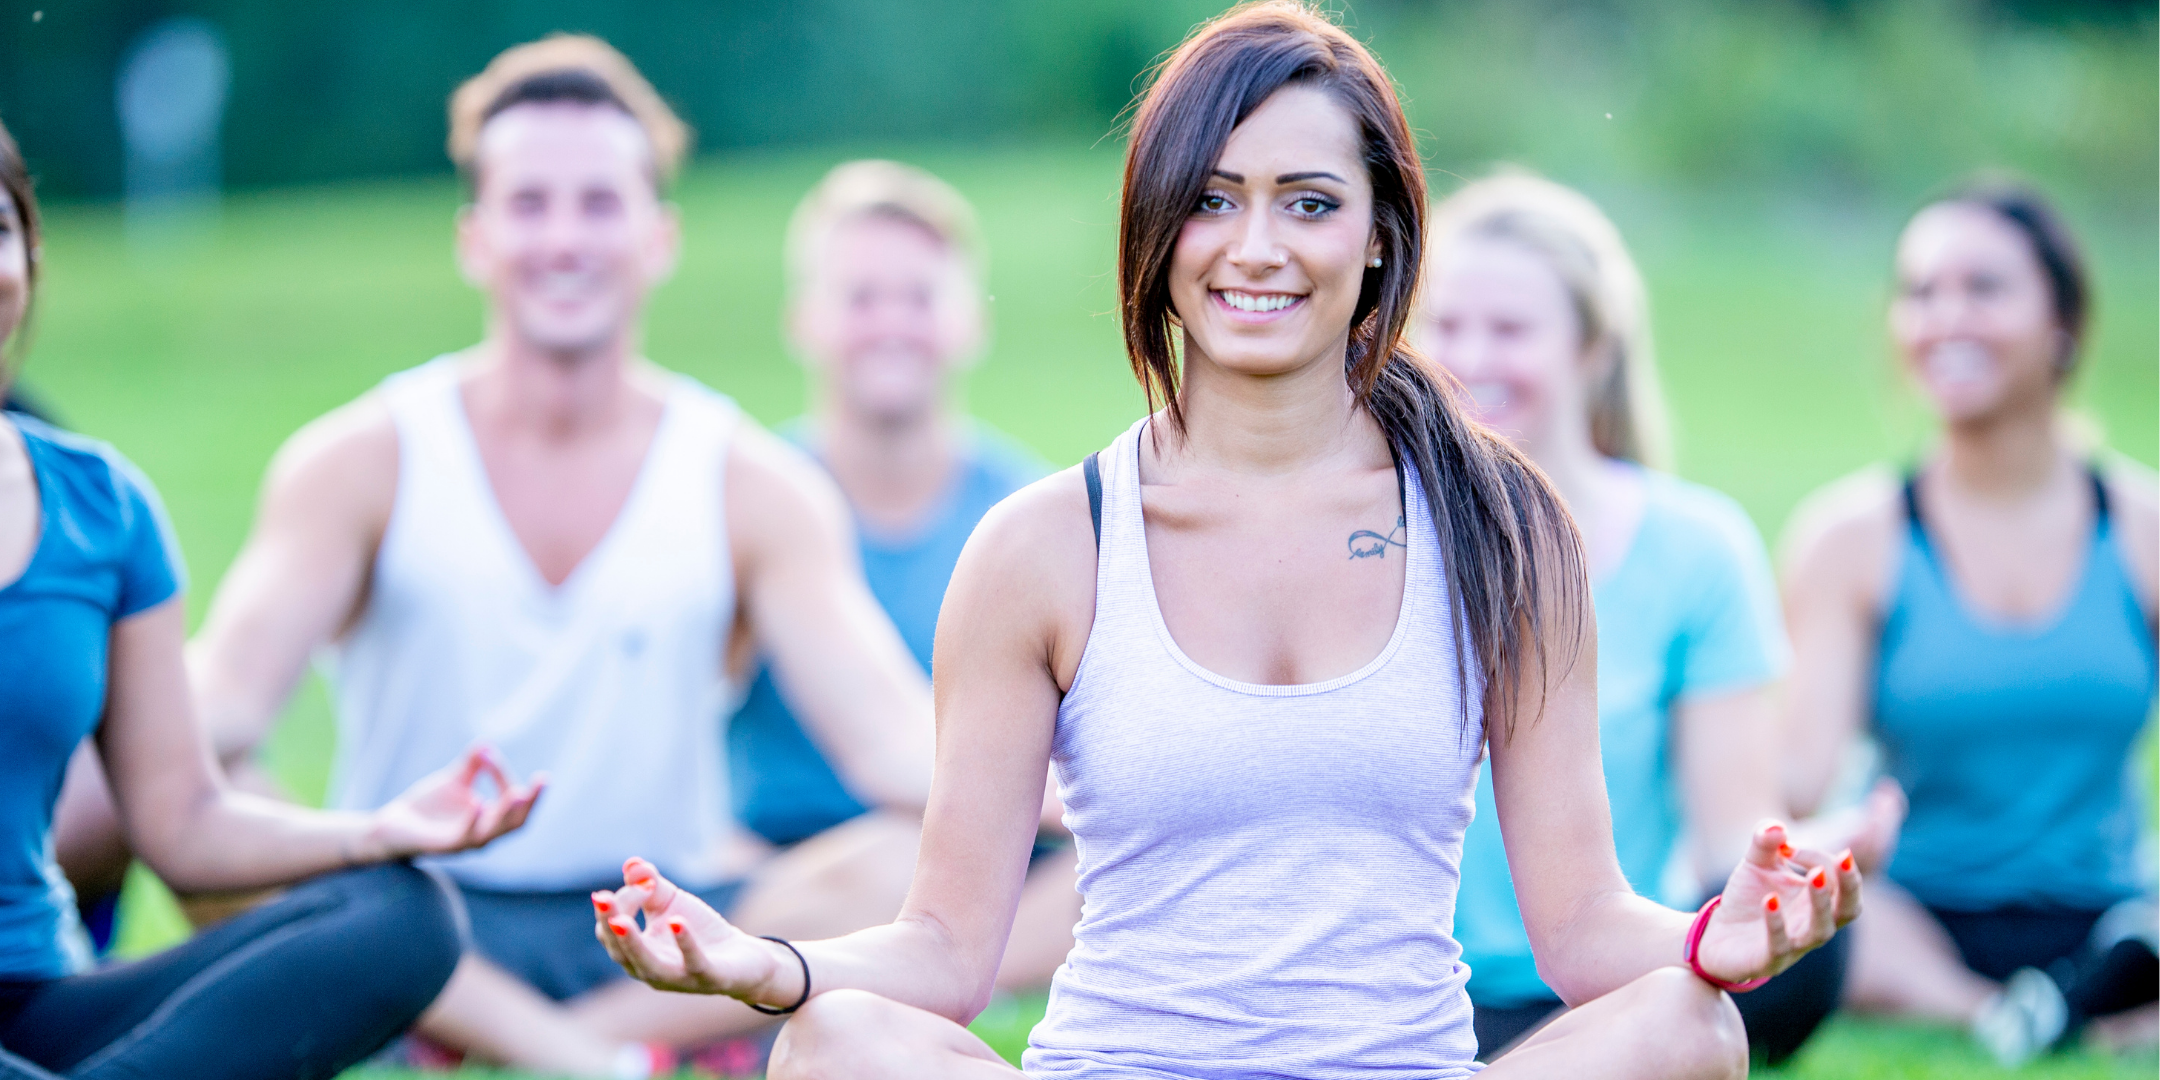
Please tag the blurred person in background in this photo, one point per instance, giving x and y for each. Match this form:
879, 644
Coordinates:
1534, 303
1988, 617
548, 542
886, 308
1262, 639
92, 622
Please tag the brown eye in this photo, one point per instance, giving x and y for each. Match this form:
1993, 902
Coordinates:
1213, 204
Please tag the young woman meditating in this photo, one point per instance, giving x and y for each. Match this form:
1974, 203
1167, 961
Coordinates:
1263, 639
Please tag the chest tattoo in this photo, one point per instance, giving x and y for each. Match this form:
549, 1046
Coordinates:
1367, 544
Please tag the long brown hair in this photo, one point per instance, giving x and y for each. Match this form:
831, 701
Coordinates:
15, 183
1514, 562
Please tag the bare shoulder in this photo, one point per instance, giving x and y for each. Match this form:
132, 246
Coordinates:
776, 494
344, 463
2134, 498
1842, 536
1030, 567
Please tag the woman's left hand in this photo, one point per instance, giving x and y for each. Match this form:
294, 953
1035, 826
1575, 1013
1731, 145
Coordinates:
1780, 903
445, 812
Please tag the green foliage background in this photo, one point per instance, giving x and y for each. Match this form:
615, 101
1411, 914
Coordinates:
1759, 155
1884, 97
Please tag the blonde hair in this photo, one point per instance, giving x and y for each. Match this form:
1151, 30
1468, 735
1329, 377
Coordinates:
566, 67
888, 189
1575, 238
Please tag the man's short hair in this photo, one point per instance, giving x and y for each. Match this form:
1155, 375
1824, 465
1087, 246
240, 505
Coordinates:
885, 189
574, 68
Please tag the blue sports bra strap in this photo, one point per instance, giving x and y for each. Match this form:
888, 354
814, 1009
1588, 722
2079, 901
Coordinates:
1092, 470
1911, 495
1910, 490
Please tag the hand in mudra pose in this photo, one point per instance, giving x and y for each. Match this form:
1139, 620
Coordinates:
444, 812
685, 945
1780, 903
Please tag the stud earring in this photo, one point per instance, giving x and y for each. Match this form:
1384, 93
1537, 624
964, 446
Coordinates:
1374, 263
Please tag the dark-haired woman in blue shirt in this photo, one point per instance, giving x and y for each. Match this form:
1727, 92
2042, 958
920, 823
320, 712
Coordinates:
91, 627
1989, 618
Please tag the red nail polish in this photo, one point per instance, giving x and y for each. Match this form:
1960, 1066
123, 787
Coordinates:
1768, 905
1820, 879
624, 931
675, 926
1847, 864
1784, 851
603, 906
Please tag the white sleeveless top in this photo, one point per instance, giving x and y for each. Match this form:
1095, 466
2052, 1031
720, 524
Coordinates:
612, 682
1268, 872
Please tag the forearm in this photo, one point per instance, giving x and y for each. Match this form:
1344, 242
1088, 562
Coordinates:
1612, 939
913, 960
228, 841
1811, 765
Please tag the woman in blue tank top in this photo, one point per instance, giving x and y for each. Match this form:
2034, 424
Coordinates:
1263, 639
1536, 305
1988, 618
91, 625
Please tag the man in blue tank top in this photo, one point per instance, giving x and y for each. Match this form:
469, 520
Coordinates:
886, 310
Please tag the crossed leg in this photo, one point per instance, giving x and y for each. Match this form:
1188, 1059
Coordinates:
1667, 1024
857, 1035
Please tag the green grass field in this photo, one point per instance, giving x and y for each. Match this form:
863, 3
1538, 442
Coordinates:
198, 362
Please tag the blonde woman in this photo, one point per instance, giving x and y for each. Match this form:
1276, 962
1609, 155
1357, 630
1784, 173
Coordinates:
1534, 303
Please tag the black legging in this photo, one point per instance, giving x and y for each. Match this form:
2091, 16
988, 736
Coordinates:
300, 988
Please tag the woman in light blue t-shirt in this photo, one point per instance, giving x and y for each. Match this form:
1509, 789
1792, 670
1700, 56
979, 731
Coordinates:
92, 619
1534, 303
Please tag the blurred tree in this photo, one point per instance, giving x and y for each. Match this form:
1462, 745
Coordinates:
1878, 93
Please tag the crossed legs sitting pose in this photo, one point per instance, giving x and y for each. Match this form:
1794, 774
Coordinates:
1263, 640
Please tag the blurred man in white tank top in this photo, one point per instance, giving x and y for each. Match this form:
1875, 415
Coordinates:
550, 544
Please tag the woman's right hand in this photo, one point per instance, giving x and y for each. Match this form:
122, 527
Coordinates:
686, 946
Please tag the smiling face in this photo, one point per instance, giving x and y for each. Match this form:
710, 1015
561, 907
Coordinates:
886, 314
1973, 320
566, 231
1266, 272
1499, 317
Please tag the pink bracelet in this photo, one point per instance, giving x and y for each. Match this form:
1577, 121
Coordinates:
1694, 942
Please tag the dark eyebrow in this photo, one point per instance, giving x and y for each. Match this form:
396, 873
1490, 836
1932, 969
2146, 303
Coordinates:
1297, 177
1234, 178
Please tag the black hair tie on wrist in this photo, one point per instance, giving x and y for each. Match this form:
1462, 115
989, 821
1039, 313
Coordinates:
799, 958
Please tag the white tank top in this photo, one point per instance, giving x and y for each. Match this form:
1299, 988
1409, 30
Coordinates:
612, 682
1268, 872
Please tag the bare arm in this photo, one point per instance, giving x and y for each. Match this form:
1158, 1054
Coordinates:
301, 577
201, 836
2137, 532
833, 650
1725, 744
1838, 554
1590, 932
1008, 642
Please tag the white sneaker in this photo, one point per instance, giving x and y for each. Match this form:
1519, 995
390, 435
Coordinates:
2024, 1020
